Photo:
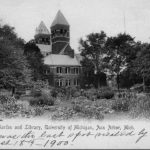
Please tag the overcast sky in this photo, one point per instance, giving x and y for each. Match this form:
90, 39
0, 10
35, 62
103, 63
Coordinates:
84, 16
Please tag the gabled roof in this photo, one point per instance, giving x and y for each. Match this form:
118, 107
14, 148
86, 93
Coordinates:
44, 48
42, 29
60, 19
61, 60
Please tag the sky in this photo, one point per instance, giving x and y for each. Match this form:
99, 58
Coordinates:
84, 17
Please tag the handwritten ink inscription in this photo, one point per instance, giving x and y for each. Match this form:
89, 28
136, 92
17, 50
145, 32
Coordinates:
55, 136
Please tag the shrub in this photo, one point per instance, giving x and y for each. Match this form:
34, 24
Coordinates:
90, 94
36, 93
76, 94
140, 107
102, 93
18, 94
64, 113
44, 99
55, 92
105, 95
65, 92
4, 99
87, 108
121, 104
38, 111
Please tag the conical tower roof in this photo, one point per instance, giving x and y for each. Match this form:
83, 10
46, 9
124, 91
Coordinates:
42, 29
60, 19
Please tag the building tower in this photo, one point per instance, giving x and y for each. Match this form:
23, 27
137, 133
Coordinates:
42, 35
60, 34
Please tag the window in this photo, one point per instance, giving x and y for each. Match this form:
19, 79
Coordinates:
67, 70
60, 82
61, 31
59, 70
43, 39
76, 70
76, 82
67, 82
47, 71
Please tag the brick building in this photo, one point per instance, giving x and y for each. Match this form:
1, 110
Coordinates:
63, 64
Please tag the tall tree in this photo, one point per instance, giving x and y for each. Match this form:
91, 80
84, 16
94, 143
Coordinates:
93, 49
142, 63
35, 59
14, 67
119, 54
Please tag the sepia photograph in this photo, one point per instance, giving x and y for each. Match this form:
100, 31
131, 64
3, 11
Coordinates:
74, 74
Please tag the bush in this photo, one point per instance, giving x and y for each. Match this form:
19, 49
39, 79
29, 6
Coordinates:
55, 92
36, 93
87, 108
121, 104
18, 94
140, 107
38, 111
8, 105
90, 93
105, 95
4, 99
65, 92
102, 93
44, 99
64, 113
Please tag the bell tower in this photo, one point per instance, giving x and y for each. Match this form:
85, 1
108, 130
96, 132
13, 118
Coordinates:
42, 35
60, 33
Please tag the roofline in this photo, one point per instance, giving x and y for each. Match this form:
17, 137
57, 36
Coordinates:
64, 65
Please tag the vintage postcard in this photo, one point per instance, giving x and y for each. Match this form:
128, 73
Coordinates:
74, 74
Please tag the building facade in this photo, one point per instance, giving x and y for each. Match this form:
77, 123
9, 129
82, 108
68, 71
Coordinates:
64, 66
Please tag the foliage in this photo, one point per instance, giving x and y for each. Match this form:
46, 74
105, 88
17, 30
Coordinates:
88, 108
81, 108
14, 69
121, 104
9, 108
142, 63
123, 100
38, 111
101, 93
35, 59
36, 92
105, 95
63, 113
4, 99
44, 99
93, 51
140, 107
120, 49
58, 92
65, 92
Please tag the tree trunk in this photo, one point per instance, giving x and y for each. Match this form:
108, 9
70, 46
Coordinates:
98, 81
13, 91
144, 83
98, 85
118, 86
